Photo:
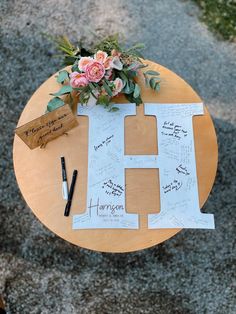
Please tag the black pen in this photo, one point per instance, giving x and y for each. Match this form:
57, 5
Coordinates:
64, 179
68, 204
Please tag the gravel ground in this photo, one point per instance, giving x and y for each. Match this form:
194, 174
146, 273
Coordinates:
191, 273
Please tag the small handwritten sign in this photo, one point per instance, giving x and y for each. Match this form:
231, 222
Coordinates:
49, 126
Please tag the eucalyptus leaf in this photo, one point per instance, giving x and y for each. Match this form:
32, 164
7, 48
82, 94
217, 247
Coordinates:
107, 88
126, 89
123, 76
157, 87
75, 68
131, 99
131, 74
113, 109
131, 86
146, 81
132, 66
151, 72
136, 91
62, 76
141, 66
54, 103
153, 81
66, 89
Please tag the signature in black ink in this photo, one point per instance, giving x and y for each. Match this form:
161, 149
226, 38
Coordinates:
174, 130
112, 188
103, 143
175, 185
182, 170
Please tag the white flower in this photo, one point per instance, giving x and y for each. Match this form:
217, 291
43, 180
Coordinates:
116, 63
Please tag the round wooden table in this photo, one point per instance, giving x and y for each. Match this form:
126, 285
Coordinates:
38, 171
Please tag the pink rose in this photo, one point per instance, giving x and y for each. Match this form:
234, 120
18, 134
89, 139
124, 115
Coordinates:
94, 71
113, 62
118, 86
78, 79
83, 62
100, 56
108, 63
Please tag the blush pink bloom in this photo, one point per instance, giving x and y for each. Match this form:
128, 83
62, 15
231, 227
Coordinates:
100, 56
118, 86
78, 79
83, 62
115, 53
94, 71
108, 63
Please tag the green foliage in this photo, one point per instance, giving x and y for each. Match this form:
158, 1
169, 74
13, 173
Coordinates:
54, 103
128, 87
62, 77
113, 109
108, 44
66, 89
103, 91
150, 72
75, 68
131, 74
69, 52
152, 79
112, 42
68, 60
64, 44
103, 100
220, 16
132, 99
84, 95
107, 87
134, 50
136, 67
136, 91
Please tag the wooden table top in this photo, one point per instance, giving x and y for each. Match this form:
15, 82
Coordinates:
38, 171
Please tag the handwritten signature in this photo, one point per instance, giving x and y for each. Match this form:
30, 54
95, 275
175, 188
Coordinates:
182, 170
175, 185
103, 143
112, 188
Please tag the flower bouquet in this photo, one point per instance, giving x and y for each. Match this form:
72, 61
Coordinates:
102, 73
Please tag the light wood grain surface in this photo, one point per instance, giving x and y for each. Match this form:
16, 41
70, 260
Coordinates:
38, 172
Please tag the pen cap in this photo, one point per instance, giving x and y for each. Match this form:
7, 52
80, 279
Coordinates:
63, 168
63, 160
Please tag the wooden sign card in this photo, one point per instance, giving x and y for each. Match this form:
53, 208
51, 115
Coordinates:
49, 126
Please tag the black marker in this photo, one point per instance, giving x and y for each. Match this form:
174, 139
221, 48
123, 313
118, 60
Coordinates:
68, 204
64, 179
